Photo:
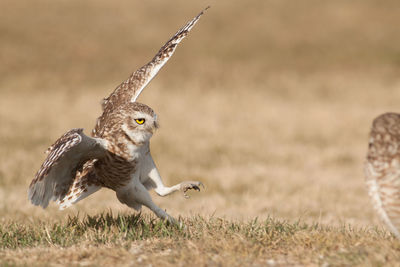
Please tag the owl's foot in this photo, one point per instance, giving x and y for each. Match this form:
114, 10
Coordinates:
187, 185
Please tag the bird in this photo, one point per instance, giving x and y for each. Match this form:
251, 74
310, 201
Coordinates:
117, 154
382, 169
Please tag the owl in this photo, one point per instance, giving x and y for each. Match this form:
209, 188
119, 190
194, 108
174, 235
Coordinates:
382, 169
117, 154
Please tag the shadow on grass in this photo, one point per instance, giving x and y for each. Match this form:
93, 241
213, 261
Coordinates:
98, 229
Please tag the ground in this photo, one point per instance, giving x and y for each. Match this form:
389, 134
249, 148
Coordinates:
268, 103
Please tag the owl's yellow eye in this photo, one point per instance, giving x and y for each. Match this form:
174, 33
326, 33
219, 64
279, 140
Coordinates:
140, 121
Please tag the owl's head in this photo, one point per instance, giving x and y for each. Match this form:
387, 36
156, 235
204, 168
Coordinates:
139, 122
384, 137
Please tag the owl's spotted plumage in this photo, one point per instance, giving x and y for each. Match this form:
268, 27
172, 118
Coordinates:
118, 155
382, 169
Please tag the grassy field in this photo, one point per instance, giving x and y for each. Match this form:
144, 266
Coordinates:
140, 240
268, 103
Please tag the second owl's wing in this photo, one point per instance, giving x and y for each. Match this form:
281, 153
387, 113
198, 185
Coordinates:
382, 169
131, 88
65, 157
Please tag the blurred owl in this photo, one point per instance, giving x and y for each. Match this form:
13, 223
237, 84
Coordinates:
117, 156
382, 169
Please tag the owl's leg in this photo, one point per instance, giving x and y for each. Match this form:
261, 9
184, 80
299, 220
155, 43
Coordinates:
154, 176
163, 190
137, 194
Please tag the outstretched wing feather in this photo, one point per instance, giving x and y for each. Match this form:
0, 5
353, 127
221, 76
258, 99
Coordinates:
65, 157
134, 85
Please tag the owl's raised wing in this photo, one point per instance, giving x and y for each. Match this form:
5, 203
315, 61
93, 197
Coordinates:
382, 169
65, 157
131, 88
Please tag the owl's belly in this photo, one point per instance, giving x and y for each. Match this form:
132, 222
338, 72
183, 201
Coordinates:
114, 171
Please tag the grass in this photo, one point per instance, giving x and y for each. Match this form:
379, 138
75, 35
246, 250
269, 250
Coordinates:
99, 229
268, 103
201, 241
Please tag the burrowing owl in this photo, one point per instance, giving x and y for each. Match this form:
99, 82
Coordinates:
117, 156
382, 169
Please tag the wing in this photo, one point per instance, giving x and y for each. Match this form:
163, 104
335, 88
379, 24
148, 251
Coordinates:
84, 184
131, 88
382, 169
65, 157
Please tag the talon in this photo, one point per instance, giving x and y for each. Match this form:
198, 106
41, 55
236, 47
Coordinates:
186, 186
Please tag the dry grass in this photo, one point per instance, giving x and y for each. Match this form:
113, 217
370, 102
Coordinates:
130, 240
269, 103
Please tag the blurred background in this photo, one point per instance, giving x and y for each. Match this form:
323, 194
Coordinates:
269, 103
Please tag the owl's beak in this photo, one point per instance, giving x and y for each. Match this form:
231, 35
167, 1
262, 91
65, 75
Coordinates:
156, 125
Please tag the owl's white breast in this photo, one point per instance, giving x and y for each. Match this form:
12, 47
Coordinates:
137, 152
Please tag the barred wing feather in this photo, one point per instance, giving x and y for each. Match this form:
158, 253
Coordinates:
65, 157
